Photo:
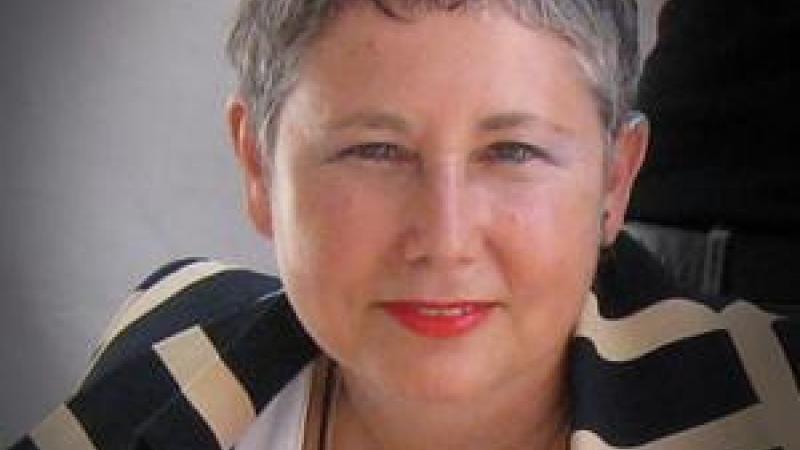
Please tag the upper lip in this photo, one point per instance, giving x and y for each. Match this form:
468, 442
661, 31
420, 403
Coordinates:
441, 301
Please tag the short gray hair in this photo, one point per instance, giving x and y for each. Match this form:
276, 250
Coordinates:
269, 38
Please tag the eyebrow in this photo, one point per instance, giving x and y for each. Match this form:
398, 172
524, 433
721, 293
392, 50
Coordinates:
517, 119
379, 120
374, 120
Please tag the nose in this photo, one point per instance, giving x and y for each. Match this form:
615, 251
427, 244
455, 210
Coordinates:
444, 221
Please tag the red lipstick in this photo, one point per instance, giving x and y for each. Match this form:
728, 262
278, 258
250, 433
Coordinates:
439, 319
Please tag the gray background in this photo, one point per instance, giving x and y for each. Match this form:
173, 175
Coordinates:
114, 159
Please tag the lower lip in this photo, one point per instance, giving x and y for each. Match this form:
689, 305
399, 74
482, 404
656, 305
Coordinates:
439, 321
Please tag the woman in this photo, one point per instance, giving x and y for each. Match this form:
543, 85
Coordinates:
454, 167
438, 179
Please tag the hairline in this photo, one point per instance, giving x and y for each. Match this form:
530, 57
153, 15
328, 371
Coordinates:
266, 125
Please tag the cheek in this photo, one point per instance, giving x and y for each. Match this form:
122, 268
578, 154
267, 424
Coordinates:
336, 238
547, 242
549, 266
344, 223
547, 246
553, 220
319, 258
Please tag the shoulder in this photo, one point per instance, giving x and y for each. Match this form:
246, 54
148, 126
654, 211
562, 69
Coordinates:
199, 348
179, 295
653, 364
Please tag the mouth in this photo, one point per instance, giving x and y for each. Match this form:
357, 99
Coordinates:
437, 318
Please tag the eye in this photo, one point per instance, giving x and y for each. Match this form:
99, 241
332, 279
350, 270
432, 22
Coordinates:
378, 151
514, 153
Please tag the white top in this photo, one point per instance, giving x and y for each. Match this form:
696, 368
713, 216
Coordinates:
293, 420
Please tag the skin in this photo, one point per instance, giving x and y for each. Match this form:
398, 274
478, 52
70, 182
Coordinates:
445, 209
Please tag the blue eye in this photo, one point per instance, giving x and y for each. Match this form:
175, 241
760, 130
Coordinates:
377, 151
514, 152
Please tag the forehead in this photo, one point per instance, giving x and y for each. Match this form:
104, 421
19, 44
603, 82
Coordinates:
470, 62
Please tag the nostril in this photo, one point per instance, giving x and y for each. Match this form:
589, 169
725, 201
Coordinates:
442, 237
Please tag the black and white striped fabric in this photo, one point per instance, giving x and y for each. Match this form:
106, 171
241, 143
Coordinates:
202, 348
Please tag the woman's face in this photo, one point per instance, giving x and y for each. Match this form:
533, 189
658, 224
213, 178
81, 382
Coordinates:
436, 199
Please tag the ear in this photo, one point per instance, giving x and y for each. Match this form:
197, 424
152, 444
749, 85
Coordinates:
256, 176
623, 165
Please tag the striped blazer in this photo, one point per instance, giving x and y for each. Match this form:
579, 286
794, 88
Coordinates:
201, 348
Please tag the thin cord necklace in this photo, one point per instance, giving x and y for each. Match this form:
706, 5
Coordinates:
332, 393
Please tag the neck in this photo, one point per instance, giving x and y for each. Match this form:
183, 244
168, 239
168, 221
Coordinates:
530, 414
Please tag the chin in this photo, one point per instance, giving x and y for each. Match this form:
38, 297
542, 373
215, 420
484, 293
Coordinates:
443, 380
444, 390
